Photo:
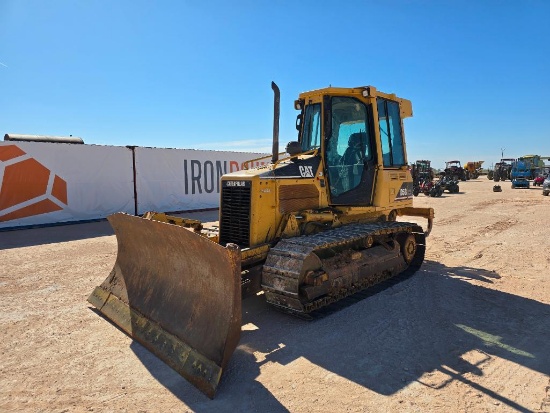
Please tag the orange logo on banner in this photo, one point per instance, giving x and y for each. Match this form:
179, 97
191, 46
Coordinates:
28, 188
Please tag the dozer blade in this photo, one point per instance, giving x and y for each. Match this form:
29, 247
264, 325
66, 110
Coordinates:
176, 293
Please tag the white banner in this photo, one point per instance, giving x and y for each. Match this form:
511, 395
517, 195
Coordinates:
43, 183
183, 179
46, 183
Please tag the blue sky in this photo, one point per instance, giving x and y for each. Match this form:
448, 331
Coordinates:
197, 74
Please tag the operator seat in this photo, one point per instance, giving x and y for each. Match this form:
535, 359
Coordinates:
355, 151
352, 161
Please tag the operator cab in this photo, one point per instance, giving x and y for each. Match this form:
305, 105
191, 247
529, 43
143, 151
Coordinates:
342, 128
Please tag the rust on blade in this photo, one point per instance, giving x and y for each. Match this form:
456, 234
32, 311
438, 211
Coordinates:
177, 293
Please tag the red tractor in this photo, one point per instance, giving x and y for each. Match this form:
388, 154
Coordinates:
454, 170
538, 180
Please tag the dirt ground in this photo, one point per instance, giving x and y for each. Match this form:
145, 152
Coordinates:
469, 332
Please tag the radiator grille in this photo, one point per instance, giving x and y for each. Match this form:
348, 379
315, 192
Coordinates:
235, 215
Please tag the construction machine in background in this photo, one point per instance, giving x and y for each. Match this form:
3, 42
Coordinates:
423, 179
422, 170
526, 168
503, 169
307, 230
449, 177
520, 174
454, 170
535, 164
448, 183
473, 169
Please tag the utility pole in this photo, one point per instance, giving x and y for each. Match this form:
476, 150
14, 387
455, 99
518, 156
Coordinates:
502, 153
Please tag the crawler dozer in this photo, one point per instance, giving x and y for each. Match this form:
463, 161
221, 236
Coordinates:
315, 225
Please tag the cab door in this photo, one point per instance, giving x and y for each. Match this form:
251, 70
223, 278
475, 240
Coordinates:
349, 150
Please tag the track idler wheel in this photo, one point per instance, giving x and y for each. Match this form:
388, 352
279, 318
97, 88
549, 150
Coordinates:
407, 243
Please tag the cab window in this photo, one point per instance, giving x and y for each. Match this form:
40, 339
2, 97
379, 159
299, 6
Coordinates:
311, 137
393, 153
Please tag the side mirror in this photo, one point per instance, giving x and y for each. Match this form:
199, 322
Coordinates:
299, 122
293, 148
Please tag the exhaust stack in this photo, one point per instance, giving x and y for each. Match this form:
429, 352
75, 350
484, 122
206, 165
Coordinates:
276, 112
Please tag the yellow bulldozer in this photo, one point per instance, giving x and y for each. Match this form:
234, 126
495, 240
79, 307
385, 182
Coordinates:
310, 228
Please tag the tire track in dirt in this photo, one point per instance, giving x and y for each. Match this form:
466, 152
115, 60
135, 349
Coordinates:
472, 242
512, 202
452, 220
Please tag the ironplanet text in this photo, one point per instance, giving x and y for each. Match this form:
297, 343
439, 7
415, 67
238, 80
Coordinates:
204, 176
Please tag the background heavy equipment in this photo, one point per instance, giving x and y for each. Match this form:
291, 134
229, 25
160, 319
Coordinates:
535, 164
423, 179
307, 230
447, 182
503, 169
473, 169
449, 177
454, 170
421, 170
520, 174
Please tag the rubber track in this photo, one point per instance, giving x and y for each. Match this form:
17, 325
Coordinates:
340, 238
